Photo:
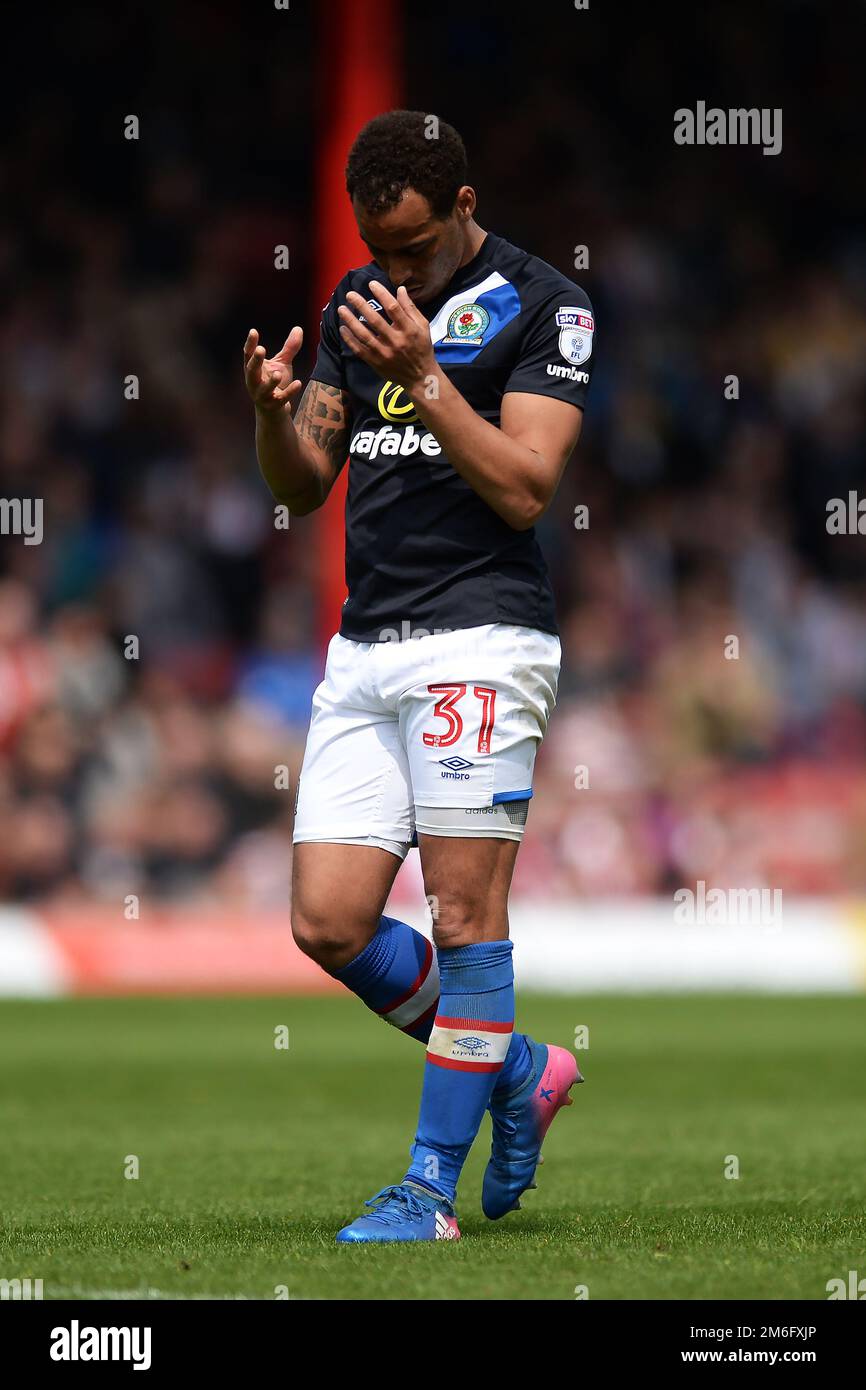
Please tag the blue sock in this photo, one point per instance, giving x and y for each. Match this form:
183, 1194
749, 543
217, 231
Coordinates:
467, 1047
397, 976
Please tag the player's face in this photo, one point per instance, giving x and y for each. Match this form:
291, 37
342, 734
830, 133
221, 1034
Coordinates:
413, 246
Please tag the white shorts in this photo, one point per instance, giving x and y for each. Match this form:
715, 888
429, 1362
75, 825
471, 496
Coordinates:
436, 733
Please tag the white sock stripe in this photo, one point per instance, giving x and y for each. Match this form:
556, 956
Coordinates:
420, 1002
468, 1044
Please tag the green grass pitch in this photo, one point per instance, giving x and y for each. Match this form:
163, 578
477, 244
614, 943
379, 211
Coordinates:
251, 1157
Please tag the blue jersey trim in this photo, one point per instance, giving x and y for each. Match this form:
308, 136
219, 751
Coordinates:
511, 796
503, 305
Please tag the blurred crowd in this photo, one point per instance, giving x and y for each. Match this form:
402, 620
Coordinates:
712, 712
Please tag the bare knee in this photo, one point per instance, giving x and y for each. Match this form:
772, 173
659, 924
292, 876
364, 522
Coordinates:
463, 920
451, 936
338, 895
329, 937
467, 883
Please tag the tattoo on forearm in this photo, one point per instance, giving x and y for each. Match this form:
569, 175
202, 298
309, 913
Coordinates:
322, 417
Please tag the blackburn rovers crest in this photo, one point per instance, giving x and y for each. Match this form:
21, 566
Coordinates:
467, 325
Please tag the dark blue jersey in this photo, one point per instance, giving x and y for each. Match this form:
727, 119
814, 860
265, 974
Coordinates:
423, 551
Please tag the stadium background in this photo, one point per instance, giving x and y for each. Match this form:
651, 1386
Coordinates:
155, 777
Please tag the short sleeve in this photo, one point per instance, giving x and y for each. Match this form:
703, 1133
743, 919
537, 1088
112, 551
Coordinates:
556, 350
329, 358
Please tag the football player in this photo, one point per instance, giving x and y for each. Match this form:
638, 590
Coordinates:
452, 373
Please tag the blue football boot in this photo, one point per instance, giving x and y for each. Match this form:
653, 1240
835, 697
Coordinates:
520, 1122
403, 1212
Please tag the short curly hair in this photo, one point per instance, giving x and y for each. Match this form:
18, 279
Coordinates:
406, 149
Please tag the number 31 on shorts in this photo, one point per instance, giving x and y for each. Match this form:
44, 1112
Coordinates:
446, 708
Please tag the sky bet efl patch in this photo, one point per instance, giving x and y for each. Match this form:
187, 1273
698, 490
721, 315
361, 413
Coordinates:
575, 333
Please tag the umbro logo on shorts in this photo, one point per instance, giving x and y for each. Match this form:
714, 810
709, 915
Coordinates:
456, 768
